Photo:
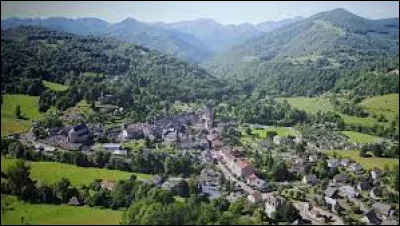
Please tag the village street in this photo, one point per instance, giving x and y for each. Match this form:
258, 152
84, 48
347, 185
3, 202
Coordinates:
229, 176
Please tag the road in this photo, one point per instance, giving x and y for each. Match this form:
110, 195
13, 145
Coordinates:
229, 176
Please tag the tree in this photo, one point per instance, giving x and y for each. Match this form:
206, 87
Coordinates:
18, 112
19, 180
64, 190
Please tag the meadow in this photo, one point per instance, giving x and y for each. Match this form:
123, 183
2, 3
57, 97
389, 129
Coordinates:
366, 163
361, 137
51, 172
29, 111
315, 104
47, 214
386, 105
55, 86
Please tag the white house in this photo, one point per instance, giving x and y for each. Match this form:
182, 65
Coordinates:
355, 167
310, 179
255, 197
376, 173
115, 149
333, 163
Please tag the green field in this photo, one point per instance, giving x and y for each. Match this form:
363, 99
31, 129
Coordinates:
310, 105
361, 137
47, 214
82, 107
387, 105
55, 86
51, 172
315, 104
366, 163
262, 132
29, 110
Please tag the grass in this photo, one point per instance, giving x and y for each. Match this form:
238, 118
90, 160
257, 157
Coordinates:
262, 132
315, 104
82, 107
361, 137
47, 214
55, 86
29, 111
386, 105
51, 172
310, 105
366, 163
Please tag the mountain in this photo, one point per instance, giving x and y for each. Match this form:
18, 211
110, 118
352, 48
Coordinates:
135, 75
175, 43
168, 41
310, 55
272, 25
219, 37
83, 26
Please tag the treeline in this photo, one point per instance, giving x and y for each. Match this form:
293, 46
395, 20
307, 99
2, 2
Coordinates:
258, 109
140, 161
348, 107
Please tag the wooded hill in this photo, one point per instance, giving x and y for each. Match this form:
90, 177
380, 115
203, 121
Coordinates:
318, 54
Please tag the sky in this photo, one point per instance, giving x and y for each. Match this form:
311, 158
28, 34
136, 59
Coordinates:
234, 12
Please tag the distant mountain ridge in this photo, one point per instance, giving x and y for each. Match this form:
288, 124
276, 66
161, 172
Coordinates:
192, 41
310, 55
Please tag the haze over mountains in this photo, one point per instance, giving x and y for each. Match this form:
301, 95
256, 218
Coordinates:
189, 40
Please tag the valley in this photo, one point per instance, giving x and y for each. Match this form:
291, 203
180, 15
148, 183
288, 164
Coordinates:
293, 121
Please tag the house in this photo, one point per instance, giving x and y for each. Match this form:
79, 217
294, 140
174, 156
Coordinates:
349, 191
239, 167
313, 158
331, 194
255, 197
133, 131
254, 181
375, 193
383, 209
78, 134
376, 173
233, 196
273, 203
243, 169
158, 180
310, 179
345, 162
282, 140
74, 201
172, 183
364, 185
115, 149
341, 178
355, 167
211, 191
108, 184
309, 210
370, 217
333, 163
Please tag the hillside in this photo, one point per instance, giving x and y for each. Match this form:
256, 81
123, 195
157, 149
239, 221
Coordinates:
309, 56
168, 41
220, 37
127, 71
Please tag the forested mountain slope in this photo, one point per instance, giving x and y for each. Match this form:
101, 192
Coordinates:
316, 54
168, 41
93, 66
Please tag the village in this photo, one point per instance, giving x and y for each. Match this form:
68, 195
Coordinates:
227, 172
